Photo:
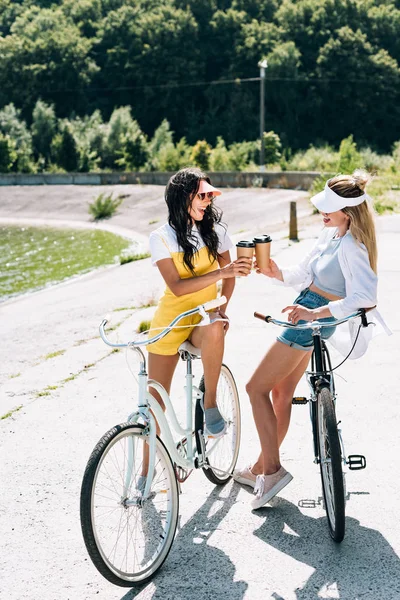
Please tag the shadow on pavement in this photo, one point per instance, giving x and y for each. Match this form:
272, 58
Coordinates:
194, 568
364, 552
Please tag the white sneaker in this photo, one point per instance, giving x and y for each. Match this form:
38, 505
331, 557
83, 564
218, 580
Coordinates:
267, 486
245, 476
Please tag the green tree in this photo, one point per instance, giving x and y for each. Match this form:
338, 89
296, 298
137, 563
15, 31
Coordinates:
64, 149
43, 129
8, 154
200, 155
15, 127
126, 146
173, 158
134, 151
163, 137
367, 81
45, 54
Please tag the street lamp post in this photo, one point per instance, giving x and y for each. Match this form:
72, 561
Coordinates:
263, 65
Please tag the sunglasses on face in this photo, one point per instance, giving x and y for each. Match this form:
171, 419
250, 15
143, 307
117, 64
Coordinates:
206, 196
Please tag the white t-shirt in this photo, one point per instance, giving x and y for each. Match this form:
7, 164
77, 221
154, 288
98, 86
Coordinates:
163, 241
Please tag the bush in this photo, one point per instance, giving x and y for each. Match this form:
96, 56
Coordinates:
396, 155
272, 147
124, 259
241, 154
384, 192
219, 159
144, 326
314, 159
104, 206
374, 162
349, 157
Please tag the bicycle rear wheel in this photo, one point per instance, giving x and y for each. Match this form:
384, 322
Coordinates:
331, 465
128, 538
224, 450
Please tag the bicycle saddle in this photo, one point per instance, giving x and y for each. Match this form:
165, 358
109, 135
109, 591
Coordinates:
190, 349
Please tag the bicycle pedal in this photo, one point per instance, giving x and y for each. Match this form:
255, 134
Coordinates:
355, 462
307, 503
300, 400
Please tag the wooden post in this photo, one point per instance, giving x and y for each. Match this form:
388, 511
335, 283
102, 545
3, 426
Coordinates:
293, 223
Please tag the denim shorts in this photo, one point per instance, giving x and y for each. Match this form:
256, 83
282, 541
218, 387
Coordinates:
302, 339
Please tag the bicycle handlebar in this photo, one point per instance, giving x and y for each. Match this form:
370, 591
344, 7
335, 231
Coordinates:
202, 309
314, 324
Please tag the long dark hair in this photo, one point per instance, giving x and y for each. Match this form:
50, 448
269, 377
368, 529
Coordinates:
180, 191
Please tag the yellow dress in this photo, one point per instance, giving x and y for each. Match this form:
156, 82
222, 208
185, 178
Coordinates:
171, 306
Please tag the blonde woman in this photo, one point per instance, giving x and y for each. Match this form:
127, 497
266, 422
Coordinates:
335, 279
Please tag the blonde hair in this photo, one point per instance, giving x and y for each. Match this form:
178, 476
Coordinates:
362, 224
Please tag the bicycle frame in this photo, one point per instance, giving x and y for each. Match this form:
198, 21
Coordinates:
151, 413
319, 376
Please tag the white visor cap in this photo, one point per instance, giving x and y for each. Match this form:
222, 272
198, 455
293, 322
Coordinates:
329, 201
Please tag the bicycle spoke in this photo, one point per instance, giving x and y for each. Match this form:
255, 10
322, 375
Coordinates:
128, 536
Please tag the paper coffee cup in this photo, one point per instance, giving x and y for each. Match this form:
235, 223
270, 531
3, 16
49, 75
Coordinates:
245, 248
263, 250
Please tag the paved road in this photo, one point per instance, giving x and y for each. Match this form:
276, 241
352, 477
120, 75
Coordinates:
71, 390
144, 206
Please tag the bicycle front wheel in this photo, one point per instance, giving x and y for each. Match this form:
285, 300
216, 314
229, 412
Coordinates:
223, 451
331, 465
127, 537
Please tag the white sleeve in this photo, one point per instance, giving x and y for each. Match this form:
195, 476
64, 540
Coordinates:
225, 242
158, 248
361, 281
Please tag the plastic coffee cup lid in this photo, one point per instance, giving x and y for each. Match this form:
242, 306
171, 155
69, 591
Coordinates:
245, 244
262, 239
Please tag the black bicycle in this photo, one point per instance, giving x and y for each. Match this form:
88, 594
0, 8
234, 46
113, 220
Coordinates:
328, 444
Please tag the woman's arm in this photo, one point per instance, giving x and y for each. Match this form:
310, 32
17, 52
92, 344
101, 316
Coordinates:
179, 287
301, 313
297, 276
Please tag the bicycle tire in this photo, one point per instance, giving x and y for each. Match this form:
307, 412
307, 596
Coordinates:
128, 538
330, 458
222, 460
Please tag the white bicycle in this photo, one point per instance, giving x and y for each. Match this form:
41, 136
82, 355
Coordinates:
129, 520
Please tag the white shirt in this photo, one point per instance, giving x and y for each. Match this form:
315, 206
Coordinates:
361, 291
163, 241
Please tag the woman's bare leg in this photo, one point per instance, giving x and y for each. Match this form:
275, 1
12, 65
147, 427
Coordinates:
282, 395
161, 369
210, 339
279, 362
